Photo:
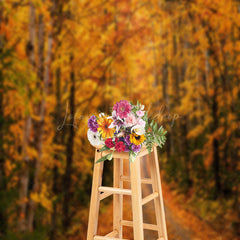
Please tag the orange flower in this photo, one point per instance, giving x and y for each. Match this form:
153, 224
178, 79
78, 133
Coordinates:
104, 129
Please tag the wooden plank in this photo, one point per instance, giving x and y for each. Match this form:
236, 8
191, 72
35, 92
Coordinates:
95, 198
158, 202
147, 226
124, 155
117, 198
112, 234
150, 198
104, 195
135, 176
142, 153
115, 190
143, 180
107, 238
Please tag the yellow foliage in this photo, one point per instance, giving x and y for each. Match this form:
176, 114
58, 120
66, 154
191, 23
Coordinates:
184, 56
195, 132
43, 197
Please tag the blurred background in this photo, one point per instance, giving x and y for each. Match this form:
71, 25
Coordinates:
63, 60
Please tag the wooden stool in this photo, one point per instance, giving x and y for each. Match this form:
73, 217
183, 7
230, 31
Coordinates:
100, 192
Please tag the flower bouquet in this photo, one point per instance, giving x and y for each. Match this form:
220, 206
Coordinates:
126, 130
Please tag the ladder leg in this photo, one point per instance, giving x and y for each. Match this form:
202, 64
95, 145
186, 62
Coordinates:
158, 202
117, 198
95, 198
135, 177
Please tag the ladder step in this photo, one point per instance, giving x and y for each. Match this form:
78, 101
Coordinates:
149, 198
104, 195
145, 225
112, 234
107, 238
161, 238
143, 180
115, 190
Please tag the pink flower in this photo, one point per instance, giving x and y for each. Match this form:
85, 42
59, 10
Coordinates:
141, 122
122, 108
140, 113
130, 120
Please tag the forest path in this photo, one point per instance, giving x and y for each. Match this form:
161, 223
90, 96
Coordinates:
176, 231
185, 225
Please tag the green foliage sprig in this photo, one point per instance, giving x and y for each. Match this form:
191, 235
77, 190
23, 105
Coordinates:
154, 135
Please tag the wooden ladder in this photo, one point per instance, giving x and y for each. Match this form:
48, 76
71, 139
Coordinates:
100, 192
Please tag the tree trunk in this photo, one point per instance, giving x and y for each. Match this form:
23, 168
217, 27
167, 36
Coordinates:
215, 124
215, 143
68, 170
57, 21
39, 126
24, 175
169, 144
3, 182
185, 145
57, 140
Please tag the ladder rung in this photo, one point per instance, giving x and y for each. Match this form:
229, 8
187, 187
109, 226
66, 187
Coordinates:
104, 195
143, 180
149, 198
107, 238
161, 238
145, 225
112, 234
115, 190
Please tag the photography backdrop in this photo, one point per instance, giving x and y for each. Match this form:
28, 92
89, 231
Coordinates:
63, 60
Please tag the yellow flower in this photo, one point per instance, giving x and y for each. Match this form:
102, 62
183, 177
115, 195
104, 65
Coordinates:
104, 129
137, 139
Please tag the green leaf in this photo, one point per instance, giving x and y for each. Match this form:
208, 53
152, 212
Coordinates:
155, 127
145, 118
109, 156
104, 148
152, 122
160, 129
106, 157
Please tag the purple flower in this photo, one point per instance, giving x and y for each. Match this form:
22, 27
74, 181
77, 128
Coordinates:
126, 148
117, 121
127, 140
136, 148
122, 108
92, 123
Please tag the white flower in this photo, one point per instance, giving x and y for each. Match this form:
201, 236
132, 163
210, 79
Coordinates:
112, 125
94, 138
114, 114
141, 107
101, 114
138, 129
120, 134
